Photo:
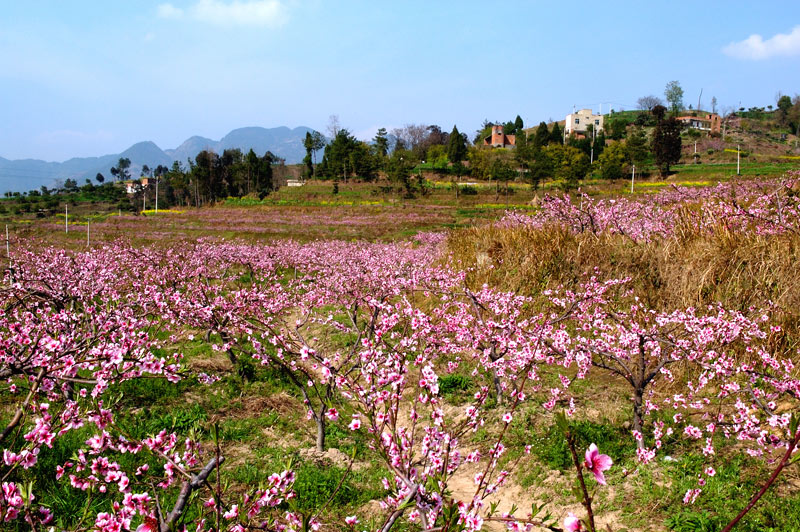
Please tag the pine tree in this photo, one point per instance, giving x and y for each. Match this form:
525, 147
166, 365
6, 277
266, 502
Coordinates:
636, 144
667, 144
556, 135
542, 136
456, 146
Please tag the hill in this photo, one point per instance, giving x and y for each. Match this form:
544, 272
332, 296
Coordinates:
28, 174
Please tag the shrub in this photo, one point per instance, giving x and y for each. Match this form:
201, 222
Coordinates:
469, 190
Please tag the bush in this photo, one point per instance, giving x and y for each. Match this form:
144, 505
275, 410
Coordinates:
469, 190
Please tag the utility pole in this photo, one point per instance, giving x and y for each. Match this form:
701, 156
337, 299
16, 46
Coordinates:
66, 218
633, 173
157, 186
87, 232
8, 249
737, 161
698, 99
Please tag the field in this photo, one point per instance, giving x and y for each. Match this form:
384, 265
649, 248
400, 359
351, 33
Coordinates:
505, 359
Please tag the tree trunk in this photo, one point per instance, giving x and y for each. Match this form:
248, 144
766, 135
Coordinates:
321, 433
638, 393
498, 389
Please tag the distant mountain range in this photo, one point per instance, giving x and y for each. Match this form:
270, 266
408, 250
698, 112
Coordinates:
27, 174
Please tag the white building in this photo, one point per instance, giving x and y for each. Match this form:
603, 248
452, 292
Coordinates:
577, 122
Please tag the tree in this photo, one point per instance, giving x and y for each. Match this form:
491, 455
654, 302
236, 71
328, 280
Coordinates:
713, 104
333, 125
636, 145
413, 137
570, 165
381, 141
556, 134
646, 103
501, 168
121, 172
599, 144
793, 115
612, 161
483, 132
784, 106
99, 177
616, 128
308, 144
542, 135
518, 124
399, 170
347, 156
666, 143
456, 146
674, 95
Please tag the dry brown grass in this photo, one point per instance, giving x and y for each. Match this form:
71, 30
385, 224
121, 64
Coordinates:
694, 269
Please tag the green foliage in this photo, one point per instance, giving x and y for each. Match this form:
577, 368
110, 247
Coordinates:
399, 170
612, 161
149, 392
666, 144
455, 387
468, 190
315, 485
122, 171
636, 145
347, 156
737, 478
617, 127
690, 521
556, 134
542, 135
456, 146
551, 446
181, 419
674, 96
569, 163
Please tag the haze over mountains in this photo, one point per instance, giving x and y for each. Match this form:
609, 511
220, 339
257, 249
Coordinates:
28, 174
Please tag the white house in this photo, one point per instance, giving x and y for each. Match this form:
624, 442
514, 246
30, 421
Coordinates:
577, 122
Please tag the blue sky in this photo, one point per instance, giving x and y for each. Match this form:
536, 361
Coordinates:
82, 78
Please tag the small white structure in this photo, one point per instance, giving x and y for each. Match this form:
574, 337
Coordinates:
294, 183
577, 122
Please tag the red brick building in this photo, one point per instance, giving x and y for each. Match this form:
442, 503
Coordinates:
498, 139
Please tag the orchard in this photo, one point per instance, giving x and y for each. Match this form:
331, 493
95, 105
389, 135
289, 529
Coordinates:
418, 361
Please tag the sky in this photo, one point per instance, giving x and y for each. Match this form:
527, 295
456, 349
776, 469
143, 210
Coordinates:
83, 78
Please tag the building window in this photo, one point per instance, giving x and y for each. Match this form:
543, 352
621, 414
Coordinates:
577, 120
597, 122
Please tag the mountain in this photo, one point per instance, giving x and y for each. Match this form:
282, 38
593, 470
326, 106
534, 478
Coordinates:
27, 174
282, 141
190, 148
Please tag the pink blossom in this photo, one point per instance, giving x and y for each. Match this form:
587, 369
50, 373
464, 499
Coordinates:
597, 463
572, 523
